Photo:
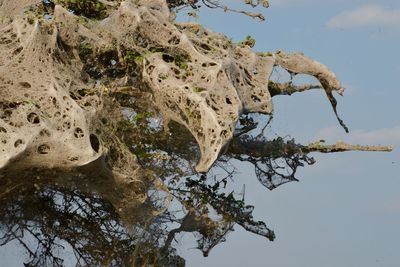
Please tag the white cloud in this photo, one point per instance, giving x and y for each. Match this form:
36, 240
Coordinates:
385, 136
369, 15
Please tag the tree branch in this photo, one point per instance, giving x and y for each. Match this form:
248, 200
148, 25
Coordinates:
289, 88
296, 63
259, 147
342, 147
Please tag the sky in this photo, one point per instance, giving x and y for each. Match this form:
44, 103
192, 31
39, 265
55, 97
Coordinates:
345, 211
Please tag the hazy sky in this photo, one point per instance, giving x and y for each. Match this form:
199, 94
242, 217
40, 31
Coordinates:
345, 211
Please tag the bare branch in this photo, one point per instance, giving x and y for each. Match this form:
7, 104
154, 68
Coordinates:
260, 147
342, 147
289, 88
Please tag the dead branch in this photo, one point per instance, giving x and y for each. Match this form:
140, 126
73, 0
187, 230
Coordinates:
342, 147
289, 88
259, 147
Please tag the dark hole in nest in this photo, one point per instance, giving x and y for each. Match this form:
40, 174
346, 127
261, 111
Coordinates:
25, 84
78, 133
255, 98
108, 58
205, 47
168, 58
93, 71
45, 132
43, 149
94, 142
33, 118
48, 4
17, 51
174, 40
18, 143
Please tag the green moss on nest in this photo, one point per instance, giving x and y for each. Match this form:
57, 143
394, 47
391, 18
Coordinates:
85, 50
85, 92
132, 58
92, 9
249, 41
264, 54
199, 89
181, 60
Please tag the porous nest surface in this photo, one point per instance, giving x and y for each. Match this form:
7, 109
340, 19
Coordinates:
57, 70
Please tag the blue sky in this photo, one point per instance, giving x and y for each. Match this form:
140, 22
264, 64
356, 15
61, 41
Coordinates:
345, 211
